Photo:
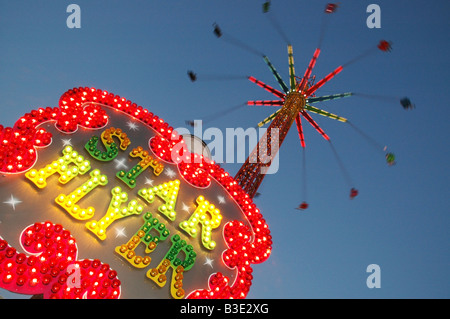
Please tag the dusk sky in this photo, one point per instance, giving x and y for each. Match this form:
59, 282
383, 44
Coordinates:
142, 50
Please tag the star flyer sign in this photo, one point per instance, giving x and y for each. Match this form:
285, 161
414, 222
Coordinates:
99, 198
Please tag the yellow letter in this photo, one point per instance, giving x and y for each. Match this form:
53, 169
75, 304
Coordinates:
158, 274
168, 192
68, 202
200, 215
115, 211
60, 166
143, 236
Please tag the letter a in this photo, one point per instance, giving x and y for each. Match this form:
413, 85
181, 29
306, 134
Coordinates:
168, 193
74, 278
73, 20
374, 280
373, 20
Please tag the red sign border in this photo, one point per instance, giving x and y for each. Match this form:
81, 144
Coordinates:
83, 107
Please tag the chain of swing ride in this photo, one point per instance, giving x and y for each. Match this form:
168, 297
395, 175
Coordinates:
309, 82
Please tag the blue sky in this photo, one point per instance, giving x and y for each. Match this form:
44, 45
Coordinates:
142, 49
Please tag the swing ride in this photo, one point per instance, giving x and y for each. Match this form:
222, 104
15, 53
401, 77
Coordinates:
295, 102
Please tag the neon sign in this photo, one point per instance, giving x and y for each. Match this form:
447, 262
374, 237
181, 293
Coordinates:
143, 217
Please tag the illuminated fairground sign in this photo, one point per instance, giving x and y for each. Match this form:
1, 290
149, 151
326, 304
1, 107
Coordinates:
101, 199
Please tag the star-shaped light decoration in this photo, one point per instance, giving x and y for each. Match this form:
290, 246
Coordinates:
221, 199
208, 262
132, 126
170, 173
66, 142
149, 181
13, 202
120, 232
185, 208
120, 163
